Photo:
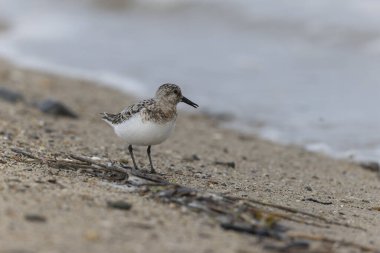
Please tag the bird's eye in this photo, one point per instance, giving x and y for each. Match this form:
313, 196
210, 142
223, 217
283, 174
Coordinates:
176, 92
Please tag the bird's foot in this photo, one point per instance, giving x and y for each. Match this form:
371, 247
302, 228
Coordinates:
135, 169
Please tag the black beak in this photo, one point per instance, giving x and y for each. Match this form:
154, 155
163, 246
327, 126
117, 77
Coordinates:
189, 102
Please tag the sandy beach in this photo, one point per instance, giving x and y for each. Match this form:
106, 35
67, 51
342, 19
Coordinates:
44, 209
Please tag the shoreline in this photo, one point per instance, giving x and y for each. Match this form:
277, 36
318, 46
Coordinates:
226, 120
294, 113
78, 218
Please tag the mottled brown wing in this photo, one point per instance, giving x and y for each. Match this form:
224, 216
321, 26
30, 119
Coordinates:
128, 112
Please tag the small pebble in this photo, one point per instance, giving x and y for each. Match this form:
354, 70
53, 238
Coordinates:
371, 166
195, 157
227, 164
192, 158
35, 218
121, 205
55, 108
52, 180
10, 96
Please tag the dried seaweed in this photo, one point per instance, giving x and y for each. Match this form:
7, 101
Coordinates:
333, 241
241, 215
319, 201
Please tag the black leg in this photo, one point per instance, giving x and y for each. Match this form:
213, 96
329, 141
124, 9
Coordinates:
133, 158
152, 170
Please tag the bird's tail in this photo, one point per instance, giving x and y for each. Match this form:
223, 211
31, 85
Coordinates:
107, 117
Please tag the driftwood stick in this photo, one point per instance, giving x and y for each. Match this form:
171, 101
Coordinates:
84, 163
128, 170
25, 153
324, 239
297, 220
296, 211
148, 177
88, 160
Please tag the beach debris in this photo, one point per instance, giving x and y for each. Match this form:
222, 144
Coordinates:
227, 164
371, 166
6, 135
56, 108
291, 247
52, 180
140, 225
241, 215
329, 241
35, 218
251, 229
10, 96
91, 235
308, 188
318, 201
120, 204
191, 158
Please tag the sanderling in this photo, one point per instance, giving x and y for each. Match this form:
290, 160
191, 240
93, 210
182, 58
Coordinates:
148, 122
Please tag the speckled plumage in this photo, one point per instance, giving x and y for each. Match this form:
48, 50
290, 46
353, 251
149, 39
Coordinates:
160, 109
148, 122
149, 109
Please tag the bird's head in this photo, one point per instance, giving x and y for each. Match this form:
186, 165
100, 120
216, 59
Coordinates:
172, 94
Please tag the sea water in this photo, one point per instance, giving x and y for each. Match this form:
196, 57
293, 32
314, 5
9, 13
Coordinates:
303, 72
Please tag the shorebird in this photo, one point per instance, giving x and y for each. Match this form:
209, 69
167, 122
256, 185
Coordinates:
148, 122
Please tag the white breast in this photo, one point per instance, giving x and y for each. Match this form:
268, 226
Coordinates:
136, 132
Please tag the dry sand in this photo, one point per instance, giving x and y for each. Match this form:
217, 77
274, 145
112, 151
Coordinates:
75, 205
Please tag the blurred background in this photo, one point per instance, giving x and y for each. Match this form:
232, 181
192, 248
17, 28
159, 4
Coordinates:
303, 72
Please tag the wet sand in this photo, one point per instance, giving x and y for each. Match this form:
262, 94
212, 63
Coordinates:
73, 206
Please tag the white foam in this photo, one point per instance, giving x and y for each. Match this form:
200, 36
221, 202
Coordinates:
49, 26
123, 83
